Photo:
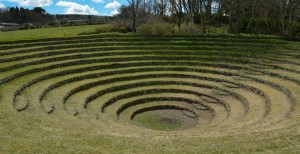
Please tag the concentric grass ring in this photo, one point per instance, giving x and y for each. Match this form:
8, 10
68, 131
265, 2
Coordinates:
235, 79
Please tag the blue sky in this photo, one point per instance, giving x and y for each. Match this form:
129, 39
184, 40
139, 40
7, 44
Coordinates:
96, 7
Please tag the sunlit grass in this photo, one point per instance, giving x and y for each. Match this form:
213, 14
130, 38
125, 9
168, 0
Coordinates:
152, 121
34, 131
47, 32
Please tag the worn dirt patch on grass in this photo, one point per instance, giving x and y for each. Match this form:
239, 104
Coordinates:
165, 120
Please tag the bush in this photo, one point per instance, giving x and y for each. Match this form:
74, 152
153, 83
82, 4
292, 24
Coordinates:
105, 29
112, 29
119, 23
266, 26
145, 29
259, 26
23, 27
218, 30
295, 34
157, 29
53, 24
64, 22
123, 30
32, 27
163, 29
184, 29
187, 29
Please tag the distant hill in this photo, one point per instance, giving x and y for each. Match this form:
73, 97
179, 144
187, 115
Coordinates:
82, 19
16, 18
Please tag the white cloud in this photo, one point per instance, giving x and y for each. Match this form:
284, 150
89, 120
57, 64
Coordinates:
114, 12
75, 8
2, 6
33, 3
112, 5
98, 1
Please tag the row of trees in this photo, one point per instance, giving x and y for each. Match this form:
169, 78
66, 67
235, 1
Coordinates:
22, 15
278, 16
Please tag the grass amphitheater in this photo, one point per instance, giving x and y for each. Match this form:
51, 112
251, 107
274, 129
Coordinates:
126, 93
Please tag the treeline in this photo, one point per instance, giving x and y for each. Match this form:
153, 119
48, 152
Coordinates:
280, 17
21, 15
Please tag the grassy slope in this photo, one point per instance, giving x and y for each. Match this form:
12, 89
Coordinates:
36, 132
46, 32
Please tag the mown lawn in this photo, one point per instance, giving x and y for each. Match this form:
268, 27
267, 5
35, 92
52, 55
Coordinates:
47, 32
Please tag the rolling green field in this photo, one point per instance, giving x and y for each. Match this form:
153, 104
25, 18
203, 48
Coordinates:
61, 92
42, 33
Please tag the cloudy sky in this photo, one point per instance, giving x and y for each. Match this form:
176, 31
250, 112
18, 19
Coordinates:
94, 7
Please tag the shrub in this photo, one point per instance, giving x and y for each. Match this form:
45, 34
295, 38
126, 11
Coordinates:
64, 22
187, 29
23, 27
123, 30
163, 29
145, 29
32, 27
157, 29
184, 29
111, 28
259, 26
119, 23
295, 34
105, 29
266, 26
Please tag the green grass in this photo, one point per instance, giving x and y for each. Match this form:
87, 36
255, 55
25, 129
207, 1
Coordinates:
152, 121
47, 32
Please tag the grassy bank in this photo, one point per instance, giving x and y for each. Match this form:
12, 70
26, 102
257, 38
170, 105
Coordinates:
117, 93
41, 33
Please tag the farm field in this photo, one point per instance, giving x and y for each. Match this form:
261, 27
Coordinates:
52, 32
118, 93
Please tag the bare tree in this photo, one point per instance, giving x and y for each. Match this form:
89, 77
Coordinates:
287, 12
235, 11
177, 10
276, 16
189, 6
134, 5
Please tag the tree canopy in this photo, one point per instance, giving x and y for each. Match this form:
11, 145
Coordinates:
22, 15
255, 16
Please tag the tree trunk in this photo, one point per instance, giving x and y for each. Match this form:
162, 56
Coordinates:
177, 10
203, 24
144, 6
179, 15
133, 17
208, 8
220, 14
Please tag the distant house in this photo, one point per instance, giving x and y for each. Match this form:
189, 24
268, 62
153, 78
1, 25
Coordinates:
5, 26
9, 24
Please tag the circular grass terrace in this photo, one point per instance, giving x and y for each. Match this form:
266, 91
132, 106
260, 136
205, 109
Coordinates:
126, 93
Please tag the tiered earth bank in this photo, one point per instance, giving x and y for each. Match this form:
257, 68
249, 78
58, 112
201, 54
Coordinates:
201, 85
